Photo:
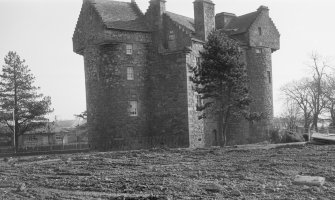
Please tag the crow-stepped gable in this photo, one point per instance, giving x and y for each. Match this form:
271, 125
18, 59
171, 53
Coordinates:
138, 90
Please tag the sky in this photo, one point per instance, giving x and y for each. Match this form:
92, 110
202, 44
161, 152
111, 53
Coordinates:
40, 31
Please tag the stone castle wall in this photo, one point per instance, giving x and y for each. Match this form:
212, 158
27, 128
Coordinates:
168, 99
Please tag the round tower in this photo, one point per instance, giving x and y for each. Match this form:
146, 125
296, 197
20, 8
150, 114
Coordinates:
259, 68
115, 76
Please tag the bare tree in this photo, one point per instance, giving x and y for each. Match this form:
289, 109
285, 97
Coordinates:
291, 116
317, 87
330, 97
299, 92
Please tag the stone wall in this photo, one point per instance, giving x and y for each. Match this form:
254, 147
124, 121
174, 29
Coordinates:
196, 126
168, 97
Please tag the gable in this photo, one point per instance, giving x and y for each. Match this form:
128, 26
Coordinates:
97, 17
185, 22
88, 27
263, 33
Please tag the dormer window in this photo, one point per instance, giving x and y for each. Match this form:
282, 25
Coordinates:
260, 31
129, 49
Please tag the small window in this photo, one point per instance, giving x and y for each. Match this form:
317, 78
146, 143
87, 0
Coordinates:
133, 108
269, 77
130, 73
198, 60
129, 49
260, 31
258, 51
172, 36
199, 102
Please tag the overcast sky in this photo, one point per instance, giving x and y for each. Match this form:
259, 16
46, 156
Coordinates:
40, 31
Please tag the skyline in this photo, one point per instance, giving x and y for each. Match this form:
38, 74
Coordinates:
41, 33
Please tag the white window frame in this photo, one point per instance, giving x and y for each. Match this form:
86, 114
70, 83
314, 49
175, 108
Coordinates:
129, 49
133, 108
130, 73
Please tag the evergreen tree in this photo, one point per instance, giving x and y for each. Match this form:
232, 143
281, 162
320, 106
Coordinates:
22, 107
222, 82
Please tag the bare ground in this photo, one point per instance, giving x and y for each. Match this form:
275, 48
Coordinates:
228, 173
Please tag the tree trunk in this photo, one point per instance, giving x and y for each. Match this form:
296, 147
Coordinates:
16, 142
16, 129
315, 122
220, 129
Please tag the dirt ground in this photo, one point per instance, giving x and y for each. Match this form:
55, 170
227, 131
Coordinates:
228, 173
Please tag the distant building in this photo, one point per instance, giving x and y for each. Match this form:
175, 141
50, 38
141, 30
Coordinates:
138, 90
54, 133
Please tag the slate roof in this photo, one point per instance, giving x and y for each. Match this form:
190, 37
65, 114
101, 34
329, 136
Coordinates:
186, 22
242, 23
120, 15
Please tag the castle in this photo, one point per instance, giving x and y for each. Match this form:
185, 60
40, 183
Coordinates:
138, 90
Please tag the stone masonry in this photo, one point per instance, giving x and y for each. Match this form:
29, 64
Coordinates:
137, 69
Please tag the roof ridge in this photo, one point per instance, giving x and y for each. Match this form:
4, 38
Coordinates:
179, 15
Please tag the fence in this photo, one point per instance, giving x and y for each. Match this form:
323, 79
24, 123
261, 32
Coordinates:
48, 148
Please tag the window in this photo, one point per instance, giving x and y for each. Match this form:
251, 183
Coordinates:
259, 31
269, 77
129, 49
133, 108
199, 102
32, 138
172, 35
130, 73
258, 51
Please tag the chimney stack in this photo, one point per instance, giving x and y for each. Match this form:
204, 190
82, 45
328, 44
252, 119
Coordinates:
263, 9
156, 9
204, 18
